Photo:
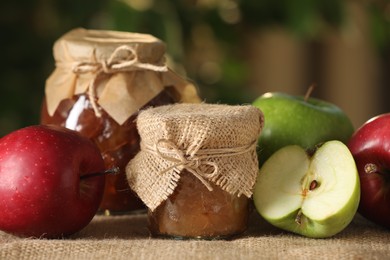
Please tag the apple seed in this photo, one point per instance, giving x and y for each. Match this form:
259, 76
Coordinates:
313, 185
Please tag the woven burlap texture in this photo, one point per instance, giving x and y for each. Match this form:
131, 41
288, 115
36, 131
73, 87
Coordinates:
127, 237
216, 142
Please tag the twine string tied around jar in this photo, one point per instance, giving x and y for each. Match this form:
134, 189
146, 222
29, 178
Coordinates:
117, 62
194, 163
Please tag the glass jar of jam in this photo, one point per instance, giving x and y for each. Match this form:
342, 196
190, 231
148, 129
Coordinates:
117, 143
196, 168
192, 211
107, 77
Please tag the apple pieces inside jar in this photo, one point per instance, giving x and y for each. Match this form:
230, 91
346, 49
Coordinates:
312, 194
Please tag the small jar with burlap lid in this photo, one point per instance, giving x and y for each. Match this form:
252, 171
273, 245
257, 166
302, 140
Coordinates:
196, 168
100, 82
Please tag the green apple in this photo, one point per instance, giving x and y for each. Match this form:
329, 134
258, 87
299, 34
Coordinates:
295, 120
312, 194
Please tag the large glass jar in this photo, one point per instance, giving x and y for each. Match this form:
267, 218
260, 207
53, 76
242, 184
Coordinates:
117, 143
196, 168
101, 81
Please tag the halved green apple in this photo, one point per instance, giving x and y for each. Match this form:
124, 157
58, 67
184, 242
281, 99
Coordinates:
312, 194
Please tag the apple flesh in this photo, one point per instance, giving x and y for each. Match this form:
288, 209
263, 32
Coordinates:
41, 194
370, 146
311, 195
295, 120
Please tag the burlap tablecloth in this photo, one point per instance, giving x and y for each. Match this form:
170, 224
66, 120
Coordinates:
127, 237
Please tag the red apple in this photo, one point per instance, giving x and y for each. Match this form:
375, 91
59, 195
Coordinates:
41, 193
370, 147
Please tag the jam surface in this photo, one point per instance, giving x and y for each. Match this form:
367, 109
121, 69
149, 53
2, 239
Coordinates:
193, 211
118, 143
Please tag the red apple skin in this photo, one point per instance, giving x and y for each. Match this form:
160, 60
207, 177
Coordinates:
41, 194
370, 147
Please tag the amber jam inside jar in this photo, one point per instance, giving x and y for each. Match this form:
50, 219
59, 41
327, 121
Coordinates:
117, 143
192, 211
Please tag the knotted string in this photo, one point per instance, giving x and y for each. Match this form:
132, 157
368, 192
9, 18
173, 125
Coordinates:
115, 63
169, 151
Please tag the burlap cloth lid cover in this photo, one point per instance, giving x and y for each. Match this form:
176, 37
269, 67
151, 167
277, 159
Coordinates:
216, 143
120, 71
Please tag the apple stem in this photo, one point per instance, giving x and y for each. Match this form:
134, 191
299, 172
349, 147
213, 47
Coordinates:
298, 218
370, 168
113, 171
309, 91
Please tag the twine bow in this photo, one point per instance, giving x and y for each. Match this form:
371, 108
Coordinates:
198, 164
170, 152
117, 62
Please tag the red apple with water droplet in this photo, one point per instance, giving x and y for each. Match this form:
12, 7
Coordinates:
42, 191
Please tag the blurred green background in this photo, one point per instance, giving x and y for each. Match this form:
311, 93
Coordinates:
232, 50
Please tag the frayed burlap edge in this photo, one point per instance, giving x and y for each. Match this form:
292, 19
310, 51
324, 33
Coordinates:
217, 143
